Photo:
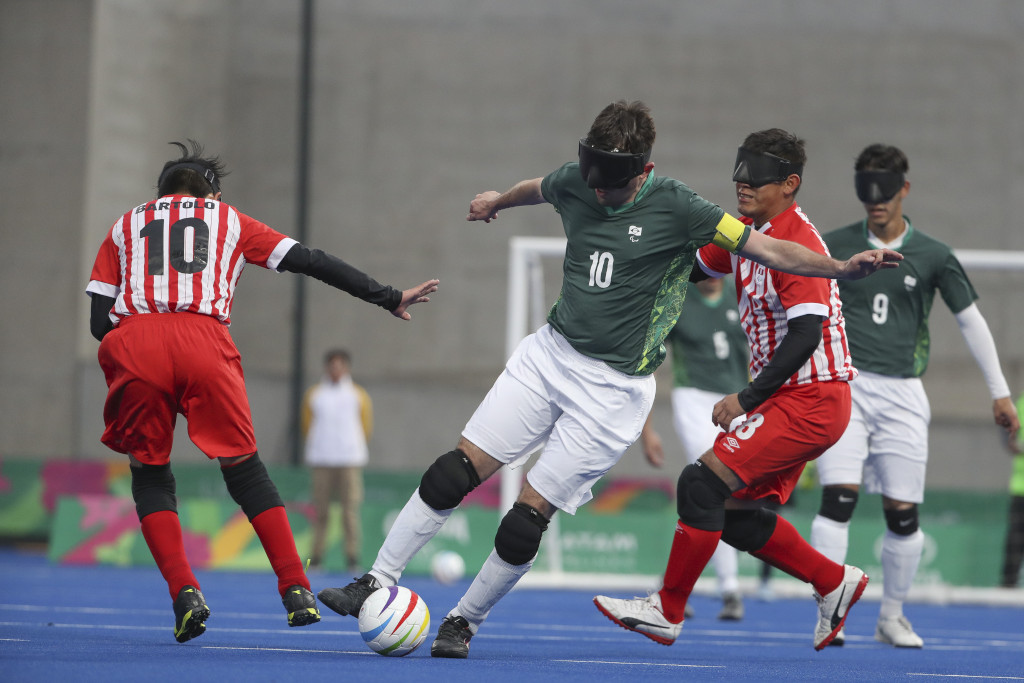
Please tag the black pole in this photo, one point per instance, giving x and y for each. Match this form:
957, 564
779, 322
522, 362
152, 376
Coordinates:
301, 225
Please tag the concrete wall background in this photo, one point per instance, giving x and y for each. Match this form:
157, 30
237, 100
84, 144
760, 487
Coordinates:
420, 105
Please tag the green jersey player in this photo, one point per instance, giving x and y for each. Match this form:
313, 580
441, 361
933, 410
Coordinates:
581, 386
885, 446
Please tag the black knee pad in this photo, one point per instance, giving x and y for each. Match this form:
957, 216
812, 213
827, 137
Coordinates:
700, 498
448, 480
749, 530
250, 487
837, 503
902, 522
153, 489
519, 534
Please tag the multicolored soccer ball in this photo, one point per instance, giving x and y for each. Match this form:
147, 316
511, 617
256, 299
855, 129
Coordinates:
394, 621
447, 567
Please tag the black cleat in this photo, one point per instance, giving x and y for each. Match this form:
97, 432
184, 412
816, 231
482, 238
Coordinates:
190, 611
301, 606
452, 641
348, 599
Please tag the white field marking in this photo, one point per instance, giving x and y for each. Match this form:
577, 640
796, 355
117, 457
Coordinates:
287, 649
605, 661
78, 610
220, 629
987, 678
705, 636
120, 611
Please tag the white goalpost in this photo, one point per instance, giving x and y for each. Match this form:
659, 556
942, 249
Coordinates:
527, 310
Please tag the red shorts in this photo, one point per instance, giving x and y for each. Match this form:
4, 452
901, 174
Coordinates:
794, 426
160, 364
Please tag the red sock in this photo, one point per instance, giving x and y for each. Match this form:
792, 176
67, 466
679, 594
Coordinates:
276, 536
162, 531
788, 551
691, 550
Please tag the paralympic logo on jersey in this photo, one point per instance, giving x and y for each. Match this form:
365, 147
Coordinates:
634, 233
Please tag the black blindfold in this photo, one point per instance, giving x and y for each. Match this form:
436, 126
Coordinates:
757, 168
877, 187
610, 170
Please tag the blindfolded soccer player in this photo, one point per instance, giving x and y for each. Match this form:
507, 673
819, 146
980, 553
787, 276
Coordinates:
582, 384
161, 289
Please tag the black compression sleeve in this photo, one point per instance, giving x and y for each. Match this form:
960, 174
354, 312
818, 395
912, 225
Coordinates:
336, 273
801, 340
99, 315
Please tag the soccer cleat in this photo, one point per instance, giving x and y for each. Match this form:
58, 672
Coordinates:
897, 631
301, 606
642, 615
190, 611
840, 639
732, 607
348, 599
834, 607
452, 641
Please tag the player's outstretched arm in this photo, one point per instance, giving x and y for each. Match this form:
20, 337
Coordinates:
486, 205
790, 257
414, 295
333, 271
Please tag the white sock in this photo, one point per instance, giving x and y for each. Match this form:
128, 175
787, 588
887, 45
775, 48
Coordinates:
726, 564
416, 524
830, 538
492, 582
901, 556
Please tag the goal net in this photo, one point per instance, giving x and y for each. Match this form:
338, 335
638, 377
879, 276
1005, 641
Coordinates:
534, 273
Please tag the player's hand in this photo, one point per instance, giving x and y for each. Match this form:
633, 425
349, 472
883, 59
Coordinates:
1005, 415
654, 449
867, 262
415, 295
726, 410
482, 207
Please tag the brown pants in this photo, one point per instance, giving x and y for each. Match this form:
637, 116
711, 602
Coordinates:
344, 484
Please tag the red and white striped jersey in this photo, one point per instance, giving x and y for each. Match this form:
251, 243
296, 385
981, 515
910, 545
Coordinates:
769, 298
181, 254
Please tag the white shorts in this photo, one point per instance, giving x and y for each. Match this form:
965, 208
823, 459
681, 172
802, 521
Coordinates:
587, 412
885, 446
691, 415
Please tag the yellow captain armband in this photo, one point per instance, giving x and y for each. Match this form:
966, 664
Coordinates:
731, 234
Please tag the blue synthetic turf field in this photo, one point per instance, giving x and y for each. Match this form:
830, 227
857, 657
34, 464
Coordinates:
60, 623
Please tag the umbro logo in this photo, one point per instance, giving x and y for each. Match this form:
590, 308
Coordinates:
634, 233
